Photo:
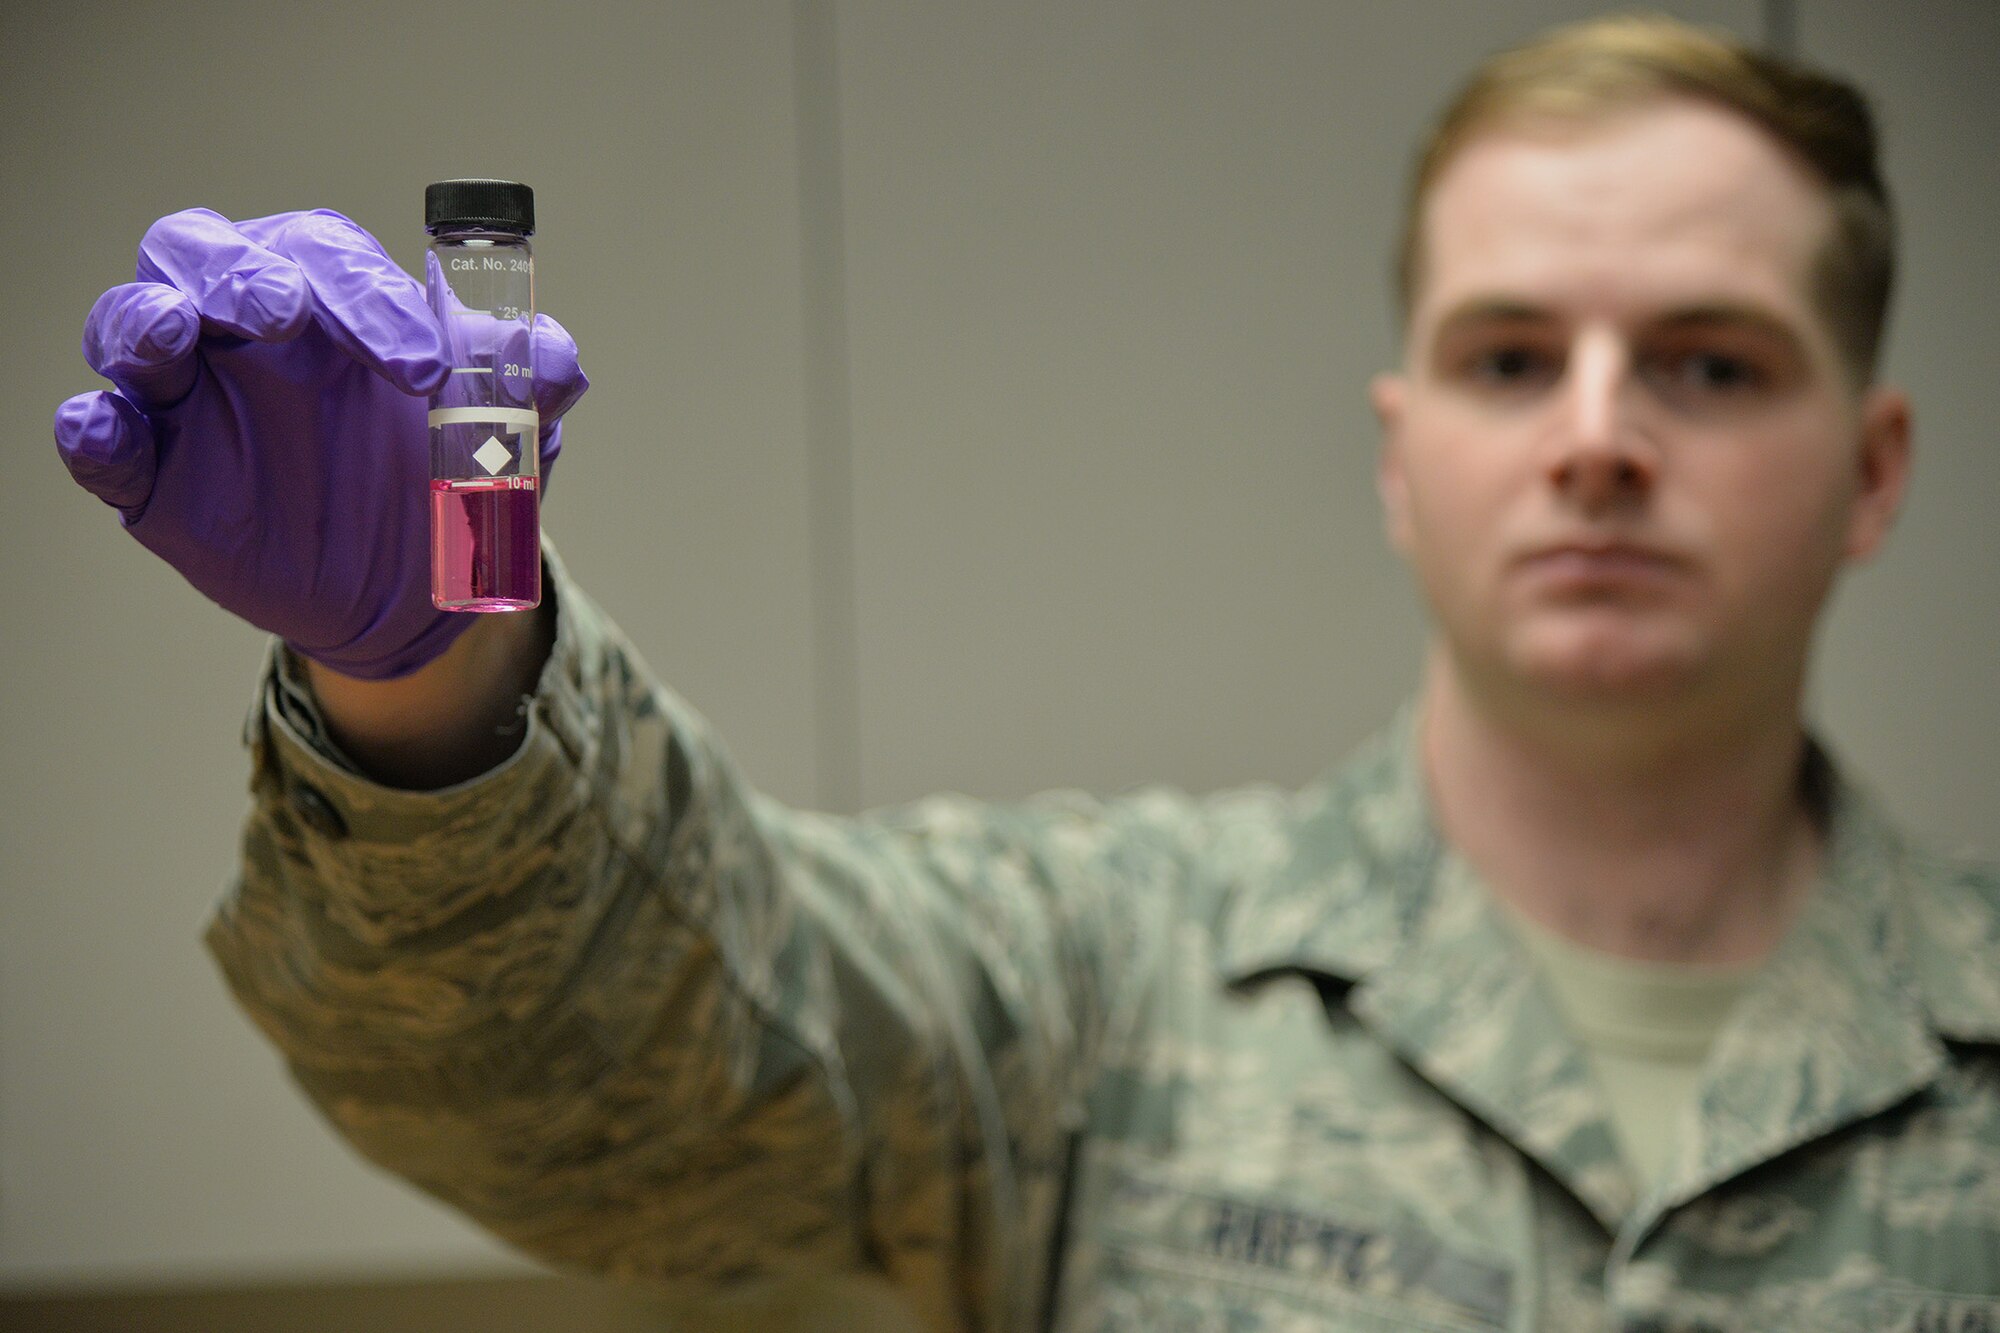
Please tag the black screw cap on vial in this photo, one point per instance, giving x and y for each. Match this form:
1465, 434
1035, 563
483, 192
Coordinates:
495, 205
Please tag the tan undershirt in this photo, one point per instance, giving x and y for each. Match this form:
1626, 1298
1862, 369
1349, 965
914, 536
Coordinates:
1645, 1027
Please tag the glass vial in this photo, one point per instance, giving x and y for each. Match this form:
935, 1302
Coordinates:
485, 434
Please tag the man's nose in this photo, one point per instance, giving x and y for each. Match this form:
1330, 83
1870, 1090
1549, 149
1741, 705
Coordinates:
1602, 457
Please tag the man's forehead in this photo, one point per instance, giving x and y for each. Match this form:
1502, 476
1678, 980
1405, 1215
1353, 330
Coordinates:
1678, 195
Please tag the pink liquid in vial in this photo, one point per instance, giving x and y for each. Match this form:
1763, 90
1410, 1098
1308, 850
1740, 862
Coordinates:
486, 544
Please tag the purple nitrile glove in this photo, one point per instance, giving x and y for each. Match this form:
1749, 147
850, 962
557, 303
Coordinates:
268, 436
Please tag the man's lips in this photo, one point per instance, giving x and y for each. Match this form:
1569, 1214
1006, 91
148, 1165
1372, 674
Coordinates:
1600, 562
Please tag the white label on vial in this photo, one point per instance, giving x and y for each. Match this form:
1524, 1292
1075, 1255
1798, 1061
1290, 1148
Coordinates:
521, 420
492, 455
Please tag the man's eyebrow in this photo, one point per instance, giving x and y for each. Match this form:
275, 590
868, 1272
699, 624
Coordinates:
1478, 310
1488, 310
1735, 314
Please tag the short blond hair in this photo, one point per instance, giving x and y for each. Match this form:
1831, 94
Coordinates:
1586, 72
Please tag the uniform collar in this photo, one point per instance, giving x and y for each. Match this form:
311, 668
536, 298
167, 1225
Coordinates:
1892, 956
1361, 881
1359, 874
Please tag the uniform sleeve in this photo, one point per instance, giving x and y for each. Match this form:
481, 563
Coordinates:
635, 1018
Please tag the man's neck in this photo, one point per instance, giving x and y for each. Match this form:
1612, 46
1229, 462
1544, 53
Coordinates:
1689, 846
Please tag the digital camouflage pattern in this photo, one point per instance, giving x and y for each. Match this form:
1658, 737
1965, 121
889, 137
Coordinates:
1253, 1062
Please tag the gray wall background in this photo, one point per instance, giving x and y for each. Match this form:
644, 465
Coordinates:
979, 404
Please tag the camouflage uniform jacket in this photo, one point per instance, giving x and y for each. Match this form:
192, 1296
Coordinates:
1157, 1063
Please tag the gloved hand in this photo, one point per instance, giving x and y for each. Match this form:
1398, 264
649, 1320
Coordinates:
268, 434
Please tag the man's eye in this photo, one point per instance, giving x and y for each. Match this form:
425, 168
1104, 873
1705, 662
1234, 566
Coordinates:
1507, 366
1709, 372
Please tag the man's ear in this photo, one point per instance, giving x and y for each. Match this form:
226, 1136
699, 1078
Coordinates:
1386, 392
1884, 463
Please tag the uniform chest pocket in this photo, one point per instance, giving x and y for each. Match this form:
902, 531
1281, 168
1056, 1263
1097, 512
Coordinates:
1166, 1258
1893, 1307
1881, 1306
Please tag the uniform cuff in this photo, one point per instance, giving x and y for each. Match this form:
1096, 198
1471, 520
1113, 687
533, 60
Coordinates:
298, 764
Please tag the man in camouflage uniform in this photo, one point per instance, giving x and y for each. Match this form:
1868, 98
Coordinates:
1591, 995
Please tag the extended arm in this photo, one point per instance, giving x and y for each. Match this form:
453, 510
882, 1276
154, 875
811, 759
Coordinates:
637, 1018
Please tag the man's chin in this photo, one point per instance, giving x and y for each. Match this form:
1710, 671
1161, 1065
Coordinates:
1610, 669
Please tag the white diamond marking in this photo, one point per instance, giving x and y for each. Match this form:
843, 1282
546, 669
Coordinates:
492, 455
